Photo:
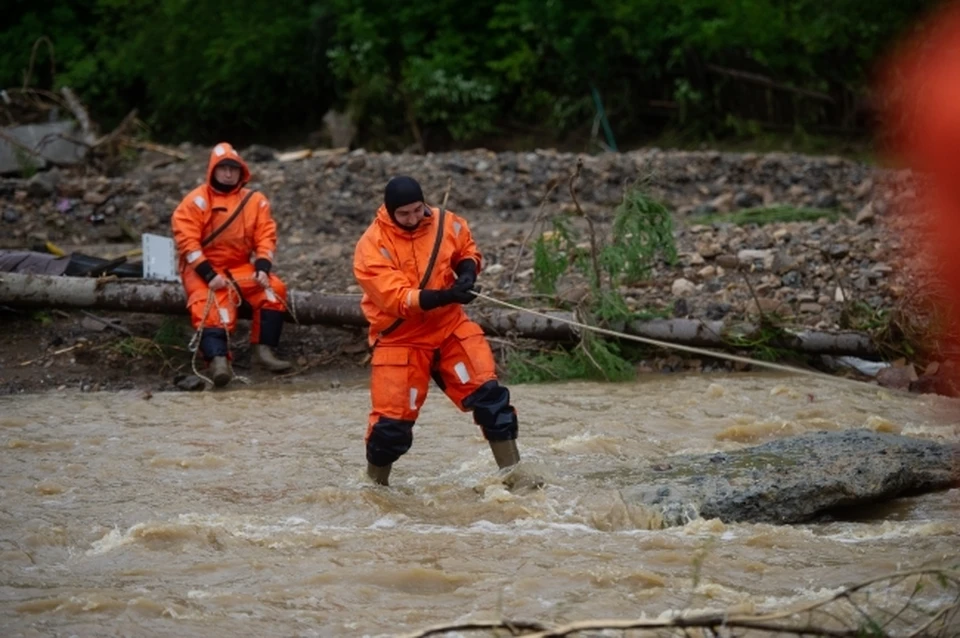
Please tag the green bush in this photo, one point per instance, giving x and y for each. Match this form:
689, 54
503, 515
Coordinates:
451, 70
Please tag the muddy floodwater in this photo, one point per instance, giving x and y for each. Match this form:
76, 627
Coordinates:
247, 513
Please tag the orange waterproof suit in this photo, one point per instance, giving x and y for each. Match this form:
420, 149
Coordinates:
411, 346
243, 246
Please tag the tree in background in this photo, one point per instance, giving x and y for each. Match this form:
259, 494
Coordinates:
440, 72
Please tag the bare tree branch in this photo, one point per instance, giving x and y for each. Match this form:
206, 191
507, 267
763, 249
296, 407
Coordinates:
774, 623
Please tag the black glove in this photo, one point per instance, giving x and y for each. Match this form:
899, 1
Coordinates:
464, 295
459, 292
463, 287
466, 275
430, 299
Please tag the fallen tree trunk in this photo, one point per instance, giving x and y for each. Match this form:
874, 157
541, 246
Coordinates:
42, 291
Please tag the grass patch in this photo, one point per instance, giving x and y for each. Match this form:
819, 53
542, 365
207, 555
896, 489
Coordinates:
592, 358
166, 341
749, 137
762, 343
918, 332
42, 317
136, 348
171, 332
649, 313
769, 215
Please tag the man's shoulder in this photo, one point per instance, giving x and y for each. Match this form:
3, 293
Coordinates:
197, 197
456, 221
254, 193
372, 232
452, 214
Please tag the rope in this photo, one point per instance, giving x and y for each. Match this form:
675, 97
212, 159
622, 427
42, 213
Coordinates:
676, 346
194, 344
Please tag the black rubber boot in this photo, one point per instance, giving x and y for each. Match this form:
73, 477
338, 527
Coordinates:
505, 453
379, 474
220, 371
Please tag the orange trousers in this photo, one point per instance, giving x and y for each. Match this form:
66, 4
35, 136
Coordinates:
222, 311
401, 375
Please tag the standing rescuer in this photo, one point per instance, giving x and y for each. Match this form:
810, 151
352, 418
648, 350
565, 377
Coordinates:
226, 237
417, 265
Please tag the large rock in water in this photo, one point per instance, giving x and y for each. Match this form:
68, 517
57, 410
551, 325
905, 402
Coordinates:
795, 479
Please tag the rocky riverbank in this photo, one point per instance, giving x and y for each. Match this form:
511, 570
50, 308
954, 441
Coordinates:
841, 266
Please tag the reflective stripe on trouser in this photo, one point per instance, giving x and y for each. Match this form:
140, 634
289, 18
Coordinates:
223, 313
463, 368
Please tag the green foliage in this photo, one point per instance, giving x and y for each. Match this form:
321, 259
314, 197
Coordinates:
134, 347
26, 162
592, 358
200, 69
551, 256
915, 331
650, 313
763, 343
642, 232
610, 307
171, 332
456, 71
166, 341
770, 215
42, 317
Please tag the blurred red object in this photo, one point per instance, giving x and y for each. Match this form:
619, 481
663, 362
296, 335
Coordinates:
919, 88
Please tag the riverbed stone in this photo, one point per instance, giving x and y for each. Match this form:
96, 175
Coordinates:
795, 479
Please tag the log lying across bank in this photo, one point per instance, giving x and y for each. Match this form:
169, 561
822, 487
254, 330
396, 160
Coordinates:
42, 291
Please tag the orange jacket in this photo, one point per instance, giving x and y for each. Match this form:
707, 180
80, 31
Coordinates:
253, 234
389, 263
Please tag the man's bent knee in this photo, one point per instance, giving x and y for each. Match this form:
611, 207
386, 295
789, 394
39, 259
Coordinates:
492, 411
389, 439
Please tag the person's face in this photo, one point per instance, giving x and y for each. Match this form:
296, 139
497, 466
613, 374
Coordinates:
227, 175
410, 215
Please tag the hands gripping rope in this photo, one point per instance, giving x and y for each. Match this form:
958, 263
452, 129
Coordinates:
194, 344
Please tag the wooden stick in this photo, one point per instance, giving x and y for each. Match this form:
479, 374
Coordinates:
157, 148
61, 351
763, 80
108, 323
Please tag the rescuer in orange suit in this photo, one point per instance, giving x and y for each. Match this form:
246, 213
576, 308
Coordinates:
417, 265
226, 237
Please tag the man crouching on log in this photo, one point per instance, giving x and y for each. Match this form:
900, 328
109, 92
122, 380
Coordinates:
226, 235
417, 265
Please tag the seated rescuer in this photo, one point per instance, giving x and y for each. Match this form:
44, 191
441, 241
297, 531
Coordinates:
419, 330
219, 228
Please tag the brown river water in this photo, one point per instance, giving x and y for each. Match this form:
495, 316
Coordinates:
246, 512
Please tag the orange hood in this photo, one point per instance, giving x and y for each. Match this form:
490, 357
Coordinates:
224, 151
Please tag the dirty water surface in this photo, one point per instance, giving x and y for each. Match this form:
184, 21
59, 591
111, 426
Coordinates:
247, 512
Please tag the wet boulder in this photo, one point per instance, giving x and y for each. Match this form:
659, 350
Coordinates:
795, 479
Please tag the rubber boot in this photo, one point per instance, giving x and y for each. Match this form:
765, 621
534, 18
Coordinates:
379, 474
220, 371
264, 357
271, 325
505, 453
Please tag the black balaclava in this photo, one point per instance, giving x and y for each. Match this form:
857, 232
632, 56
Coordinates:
400, 191
219, 186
